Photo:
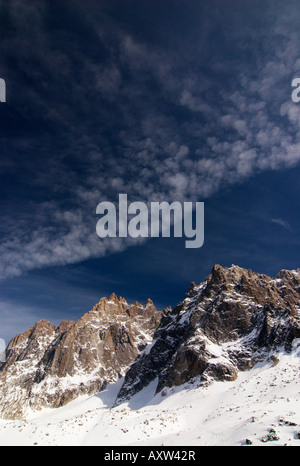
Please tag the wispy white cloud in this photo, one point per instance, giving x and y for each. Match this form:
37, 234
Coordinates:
283, 223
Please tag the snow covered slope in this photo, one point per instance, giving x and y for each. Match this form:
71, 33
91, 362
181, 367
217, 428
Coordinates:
262, 407
222, 367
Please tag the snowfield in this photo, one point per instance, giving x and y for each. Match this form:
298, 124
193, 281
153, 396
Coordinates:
261, 407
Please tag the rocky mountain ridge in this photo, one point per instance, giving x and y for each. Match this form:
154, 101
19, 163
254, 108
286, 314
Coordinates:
223, 326
226, 324
48, 366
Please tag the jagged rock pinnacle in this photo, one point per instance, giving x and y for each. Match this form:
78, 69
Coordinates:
55, 365
224, 325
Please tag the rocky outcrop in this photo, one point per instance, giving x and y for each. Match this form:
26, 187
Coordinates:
224, 325
48, 366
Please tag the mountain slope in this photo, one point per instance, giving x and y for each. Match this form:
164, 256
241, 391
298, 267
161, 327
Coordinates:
260, 407
48, 366
225, 325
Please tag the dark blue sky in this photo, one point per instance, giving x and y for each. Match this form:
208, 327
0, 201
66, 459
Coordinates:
159, 99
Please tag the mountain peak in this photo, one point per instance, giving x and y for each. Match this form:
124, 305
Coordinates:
226, 324
55, 365
113, 297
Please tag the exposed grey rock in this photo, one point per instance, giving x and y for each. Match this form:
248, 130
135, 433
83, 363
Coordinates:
48, 366
224, 325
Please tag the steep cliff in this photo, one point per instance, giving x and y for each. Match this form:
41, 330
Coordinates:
48, 366
227, 324
224, 325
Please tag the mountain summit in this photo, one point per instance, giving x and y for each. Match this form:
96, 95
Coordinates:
224, 325
227, 324
48, 366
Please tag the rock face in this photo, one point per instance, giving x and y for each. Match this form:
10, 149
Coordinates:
48, 366
224, 325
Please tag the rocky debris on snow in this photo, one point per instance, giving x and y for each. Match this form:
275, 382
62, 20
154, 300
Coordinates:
270, 437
